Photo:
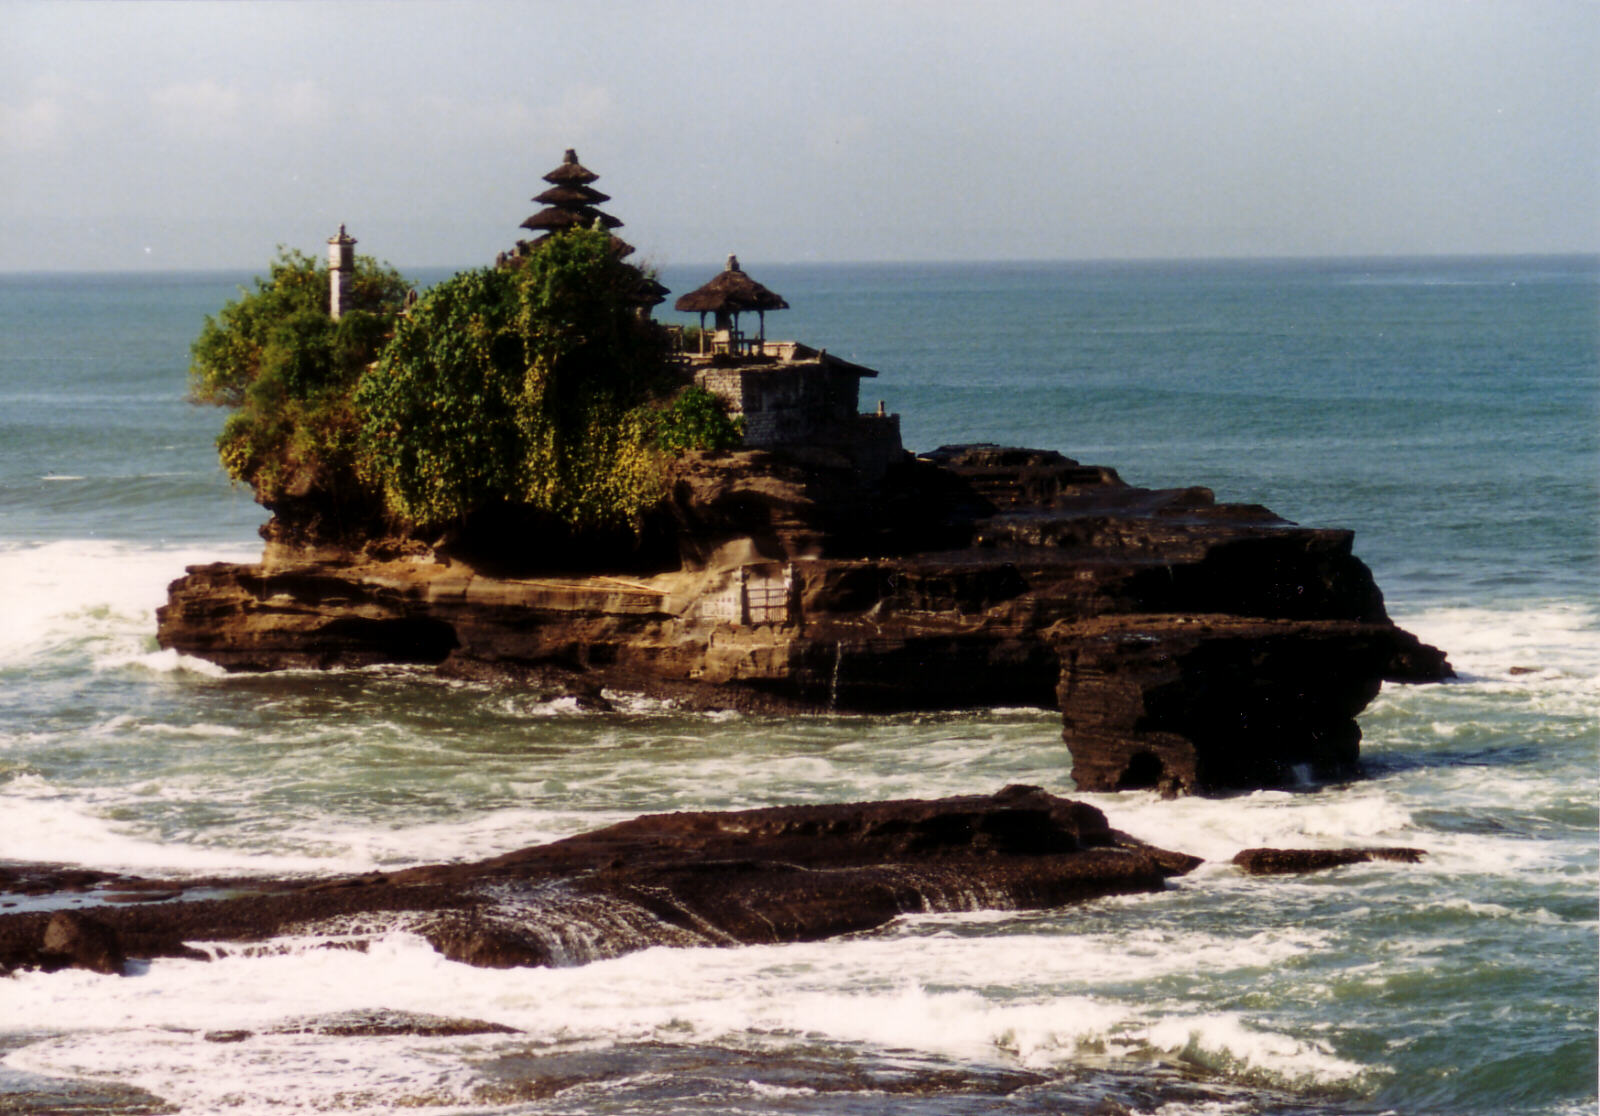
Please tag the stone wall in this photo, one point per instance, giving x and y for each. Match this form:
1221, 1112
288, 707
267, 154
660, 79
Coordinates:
875, 443
805, 404
786, 404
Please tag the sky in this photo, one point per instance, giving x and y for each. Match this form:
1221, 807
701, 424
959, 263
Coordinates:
203, 135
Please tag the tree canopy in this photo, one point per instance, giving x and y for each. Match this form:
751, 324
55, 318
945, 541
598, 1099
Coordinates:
536, 386
286, 368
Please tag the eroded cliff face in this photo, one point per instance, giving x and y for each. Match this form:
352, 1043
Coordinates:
1190, 645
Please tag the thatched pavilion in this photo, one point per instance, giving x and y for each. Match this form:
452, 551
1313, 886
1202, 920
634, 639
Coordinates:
728, 295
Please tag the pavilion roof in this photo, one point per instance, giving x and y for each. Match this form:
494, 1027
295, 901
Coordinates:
733, 291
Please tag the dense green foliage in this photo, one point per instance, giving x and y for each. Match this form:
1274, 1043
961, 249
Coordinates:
536, 386
696, 419
287, 369
528, 385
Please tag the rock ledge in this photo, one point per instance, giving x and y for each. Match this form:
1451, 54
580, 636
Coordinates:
1191, 646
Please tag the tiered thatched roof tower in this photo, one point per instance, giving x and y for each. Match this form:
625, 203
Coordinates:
572, 202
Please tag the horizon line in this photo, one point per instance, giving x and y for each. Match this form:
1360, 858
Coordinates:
1349, 257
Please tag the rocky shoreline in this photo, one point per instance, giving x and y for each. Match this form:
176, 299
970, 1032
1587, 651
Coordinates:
1191, 646
773, 875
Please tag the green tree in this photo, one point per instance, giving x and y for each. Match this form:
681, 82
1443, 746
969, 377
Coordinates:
277, 358
532, 385
536, 387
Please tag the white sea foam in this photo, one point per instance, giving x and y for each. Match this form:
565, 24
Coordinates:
1032, 1004
761, 1089
67, 594
200, 730
54, 825
55, 822
359, 847
162, 662
150, 1031
1363, 815
1225, 1042
1556, 638
1216, 829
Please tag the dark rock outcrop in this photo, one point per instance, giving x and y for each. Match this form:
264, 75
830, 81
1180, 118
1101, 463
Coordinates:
784, 874
1191, 645
1281, 862
81, 941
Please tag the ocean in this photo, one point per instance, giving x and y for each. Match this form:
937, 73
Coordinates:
1447, 410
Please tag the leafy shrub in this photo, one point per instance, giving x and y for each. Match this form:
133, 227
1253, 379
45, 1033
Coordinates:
536, 387
525, 385
287, 369
697, 419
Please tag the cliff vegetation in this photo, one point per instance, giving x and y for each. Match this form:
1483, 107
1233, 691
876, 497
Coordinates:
536, 387
288, 370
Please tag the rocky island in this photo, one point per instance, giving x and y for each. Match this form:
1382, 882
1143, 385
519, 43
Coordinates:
1189, 645
796, 558
521, 478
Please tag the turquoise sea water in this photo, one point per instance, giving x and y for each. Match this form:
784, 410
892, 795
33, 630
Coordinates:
1446, 410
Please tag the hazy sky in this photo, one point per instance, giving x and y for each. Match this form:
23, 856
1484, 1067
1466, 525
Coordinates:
202, 135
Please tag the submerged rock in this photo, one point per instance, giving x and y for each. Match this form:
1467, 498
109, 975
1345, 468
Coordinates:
783, 874
1191, 646
385, 1023
1277, 862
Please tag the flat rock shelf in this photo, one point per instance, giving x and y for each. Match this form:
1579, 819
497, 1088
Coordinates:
775, 875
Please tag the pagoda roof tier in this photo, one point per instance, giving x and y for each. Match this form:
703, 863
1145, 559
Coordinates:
571, 195
571, 172
648, 292
558, 217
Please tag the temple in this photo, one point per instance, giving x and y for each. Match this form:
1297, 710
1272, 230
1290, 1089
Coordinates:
1191, 646
788, 395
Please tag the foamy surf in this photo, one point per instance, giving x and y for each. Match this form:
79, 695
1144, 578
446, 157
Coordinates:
161, 1030
50, 823
1541, 637
169, 661
89, 596
1226, 1044
54, 825
1217, 828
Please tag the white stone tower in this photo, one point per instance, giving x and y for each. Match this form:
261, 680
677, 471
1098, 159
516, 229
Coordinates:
341, 269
